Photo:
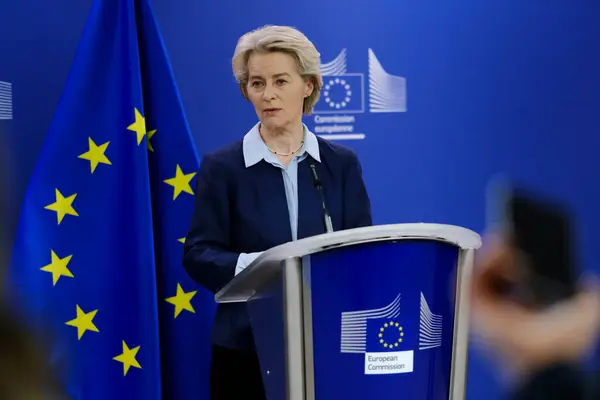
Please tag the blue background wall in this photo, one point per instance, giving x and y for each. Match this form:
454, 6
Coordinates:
495, 86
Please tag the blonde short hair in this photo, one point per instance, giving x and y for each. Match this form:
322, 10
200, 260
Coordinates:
283, 39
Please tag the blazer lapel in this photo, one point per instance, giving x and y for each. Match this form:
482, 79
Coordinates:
270, 191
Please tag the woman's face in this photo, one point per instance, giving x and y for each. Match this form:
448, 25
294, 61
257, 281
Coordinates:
276, 90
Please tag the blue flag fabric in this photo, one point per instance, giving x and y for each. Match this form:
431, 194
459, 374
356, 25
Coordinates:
97, 258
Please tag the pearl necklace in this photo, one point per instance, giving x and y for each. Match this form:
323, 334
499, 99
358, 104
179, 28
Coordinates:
288, 154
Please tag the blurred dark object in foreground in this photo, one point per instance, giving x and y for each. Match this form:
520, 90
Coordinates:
543, 349
558, 382
25, 371
4, 189
540, 231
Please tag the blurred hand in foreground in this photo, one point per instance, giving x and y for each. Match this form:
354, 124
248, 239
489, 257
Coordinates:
525, 340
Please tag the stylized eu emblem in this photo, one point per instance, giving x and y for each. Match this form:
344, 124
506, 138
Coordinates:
338, 93
376, 333
341, 94
390, 335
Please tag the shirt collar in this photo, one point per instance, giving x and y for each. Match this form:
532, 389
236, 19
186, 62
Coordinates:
255, 149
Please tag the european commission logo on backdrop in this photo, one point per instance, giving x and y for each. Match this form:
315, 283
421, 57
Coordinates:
343, 97
6, 110
388, 338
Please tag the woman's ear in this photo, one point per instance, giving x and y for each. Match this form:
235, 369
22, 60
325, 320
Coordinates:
310, 86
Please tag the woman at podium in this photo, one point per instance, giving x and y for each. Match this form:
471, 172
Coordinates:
265, 190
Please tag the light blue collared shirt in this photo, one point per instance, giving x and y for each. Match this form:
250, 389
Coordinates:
255, 150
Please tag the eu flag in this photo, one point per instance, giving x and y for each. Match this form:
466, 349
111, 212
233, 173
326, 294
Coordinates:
97, 258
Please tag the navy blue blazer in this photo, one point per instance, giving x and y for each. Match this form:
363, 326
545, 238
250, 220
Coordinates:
244, 210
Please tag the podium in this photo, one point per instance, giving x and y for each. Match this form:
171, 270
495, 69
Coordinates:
368, 313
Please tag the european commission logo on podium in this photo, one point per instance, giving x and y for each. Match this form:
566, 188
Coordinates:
387, 339
343, 96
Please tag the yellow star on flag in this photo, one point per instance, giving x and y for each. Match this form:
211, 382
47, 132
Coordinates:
139, 126
182, 240
58, 267
128, 358
63, 206
182, 301
83, 322
95, 154
181, 182
148, 137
